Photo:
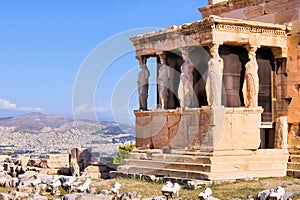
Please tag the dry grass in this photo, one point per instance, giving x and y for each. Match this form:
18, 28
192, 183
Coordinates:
240, 189
6, 190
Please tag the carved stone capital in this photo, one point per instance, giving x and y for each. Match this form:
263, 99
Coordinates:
214, 48
162, 58
251, 49
142, 60
185, 53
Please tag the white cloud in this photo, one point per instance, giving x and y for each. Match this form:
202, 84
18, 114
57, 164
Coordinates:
7, 105
88, 108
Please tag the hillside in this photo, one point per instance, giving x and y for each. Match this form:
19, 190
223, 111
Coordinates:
41, 133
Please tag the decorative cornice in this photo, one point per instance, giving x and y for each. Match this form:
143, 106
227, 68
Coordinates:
212, 23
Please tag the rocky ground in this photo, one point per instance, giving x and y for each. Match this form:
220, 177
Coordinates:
32, 185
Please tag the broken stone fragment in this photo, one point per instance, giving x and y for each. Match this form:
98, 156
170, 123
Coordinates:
277, 194
205, 194
170, 189
85, 187
116, 188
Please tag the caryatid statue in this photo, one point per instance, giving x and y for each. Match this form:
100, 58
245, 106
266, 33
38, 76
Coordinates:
251, 82
143, 83
164, 76
186, 92
214, 77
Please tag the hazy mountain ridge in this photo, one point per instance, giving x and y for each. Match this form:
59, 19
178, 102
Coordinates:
42, 133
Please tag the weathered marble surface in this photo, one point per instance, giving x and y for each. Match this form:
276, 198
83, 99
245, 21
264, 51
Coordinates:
143, 85
164, 76
251, 82
214, 78
185, 90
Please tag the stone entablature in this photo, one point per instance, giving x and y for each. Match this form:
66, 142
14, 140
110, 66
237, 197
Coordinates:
213, 30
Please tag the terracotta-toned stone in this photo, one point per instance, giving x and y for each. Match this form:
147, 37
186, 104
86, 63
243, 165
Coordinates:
293, 115
179, 136
293, 4
160, 139
275, 6
56, 161
286, 16
270, 18
253, 11
236, 14
92, 169
293, 66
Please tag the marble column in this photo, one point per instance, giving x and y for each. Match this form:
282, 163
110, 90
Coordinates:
143, 83
186, 92
251, 82
163, 80
214, 80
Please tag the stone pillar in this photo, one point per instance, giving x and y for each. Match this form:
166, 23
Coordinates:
214, 80
280, 84
82, 156
163, 81
281, 133
251, 82
143, 83
186, 93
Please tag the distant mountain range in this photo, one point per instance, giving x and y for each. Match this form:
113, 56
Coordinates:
41, 133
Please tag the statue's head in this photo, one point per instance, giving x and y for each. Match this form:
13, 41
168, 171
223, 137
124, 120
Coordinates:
251, 51
188, 65
214, 50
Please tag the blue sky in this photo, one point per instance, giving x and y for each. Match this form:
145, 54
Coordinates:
43, 46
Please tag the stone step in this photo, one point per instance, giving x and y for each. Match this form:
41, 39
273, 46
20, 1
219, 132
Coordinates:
202, 175
181, 158
228, 166
163, 172
293, 173
294, 158
293, 165
294, 151
169, 165
217, 159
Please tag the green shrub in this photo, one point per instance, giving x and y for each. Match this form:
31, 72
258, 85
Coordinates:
123, 153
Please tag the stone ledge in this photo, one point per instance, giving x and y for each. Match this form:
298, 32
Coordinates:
222, 166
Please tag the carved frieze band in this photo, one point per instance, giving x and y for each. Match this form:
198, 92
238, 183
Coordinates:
235, 28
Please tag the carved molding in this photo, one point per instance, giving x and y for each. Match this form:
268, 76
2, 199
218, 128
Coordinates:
213, 29
234, 28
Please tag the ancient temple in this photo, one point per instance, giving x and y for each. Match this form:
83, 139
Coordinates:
228, 89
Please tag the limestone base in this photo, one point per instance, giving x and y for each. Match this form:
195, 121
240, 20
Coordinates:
215, 166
